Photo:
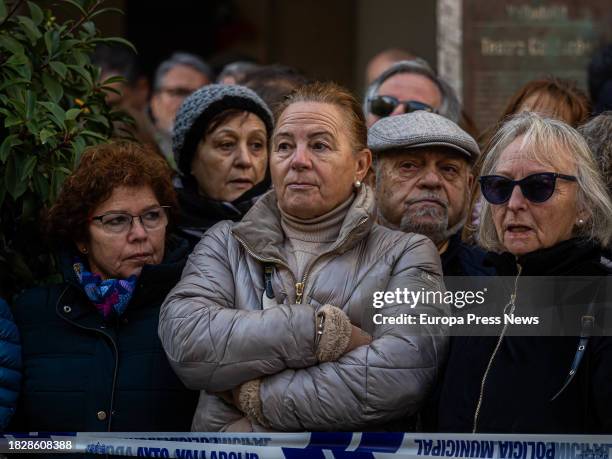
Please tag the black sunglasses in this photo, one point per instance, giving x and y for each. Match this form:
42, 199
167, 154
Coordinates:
535, 187
384, 105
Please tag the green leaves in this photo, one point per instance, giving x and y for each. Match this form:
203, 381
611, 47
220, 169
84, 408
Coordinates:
59, 68
52, 107
53, 87
30, 28
36, 13
13, 176
116, 40
3, 11
8, 143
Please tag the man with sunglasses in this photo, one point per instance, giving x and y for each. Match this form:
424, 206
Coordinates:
423, 165
408, 86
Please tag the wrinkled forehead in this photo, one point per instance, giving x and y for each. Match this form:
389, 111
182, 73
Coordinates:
305, 117
550, 152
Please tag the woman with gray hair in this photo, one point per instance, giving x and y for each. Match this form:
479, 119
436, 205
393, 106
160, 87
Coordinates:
547, 213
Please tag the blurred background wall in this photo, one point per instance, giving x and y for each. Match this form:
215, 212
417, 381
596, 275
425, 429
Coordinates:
334, 39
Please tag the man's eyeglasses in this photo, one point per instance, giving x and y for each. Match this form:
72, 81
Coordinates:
385, 105
121, 222
535, 187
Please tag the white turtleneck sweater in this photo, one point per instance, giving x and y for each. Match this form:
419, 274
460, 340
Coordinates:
307, 239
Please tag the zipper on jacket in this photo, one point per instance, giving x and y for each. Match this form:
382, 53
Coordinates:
265, 260
512, 305
299, 286
116, 370
299, 291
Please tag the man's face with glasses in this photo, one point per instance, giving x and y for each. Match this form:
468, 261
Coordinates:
126, 232
409, 88
177, 84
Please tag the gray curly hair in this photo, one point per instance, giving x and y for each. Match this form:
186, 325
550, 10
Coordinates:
544, 140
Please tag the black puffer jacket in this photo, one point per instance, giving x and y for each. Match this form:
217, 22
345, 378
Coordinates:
82, 374
528, 371
199, 213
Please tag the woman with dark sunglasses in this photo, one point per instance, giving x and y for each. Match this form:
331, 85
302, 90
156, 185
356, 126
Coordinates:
547, 213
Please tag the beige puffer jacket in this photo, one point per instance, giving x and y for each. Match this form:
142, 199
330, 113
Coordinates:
221, 332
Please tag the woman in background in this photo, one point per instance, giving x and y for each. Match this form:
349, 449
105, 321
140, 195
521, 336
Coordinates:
221, 136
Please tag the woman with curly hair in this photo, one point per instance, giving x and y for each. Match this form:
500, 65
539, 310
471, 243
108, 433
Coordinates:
92, 358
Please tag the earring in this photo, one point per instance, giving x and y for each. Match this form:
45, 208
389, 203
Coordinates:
580, 222
84, 250
357, 184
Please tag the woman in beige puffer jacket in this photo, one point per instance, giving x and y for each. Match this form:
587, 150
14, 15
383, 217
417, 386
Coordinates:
273, 319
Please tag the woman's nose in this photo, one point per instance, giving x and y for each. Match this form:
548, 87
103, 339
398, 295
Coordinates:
517, 201
301, 158
137, 230
244, 157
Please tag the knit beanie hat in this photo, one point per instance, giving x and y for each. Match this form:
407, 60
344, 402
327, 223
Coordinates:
199, 108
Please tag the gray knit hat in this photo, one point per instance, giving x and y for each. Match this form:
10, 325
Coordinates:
420, 129
200, 107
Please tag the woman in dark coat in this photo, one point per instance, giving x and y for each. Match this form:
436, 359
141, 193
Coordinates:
220, 140
92, 357
547, 213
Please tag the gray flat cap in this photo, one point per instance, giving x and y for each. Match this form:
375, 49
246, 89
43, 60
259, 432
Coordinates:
420, 129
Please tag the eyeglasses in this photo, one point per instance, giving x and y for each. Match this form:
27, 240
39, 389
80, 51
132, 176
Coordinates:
121, 222
385, 105
535, 187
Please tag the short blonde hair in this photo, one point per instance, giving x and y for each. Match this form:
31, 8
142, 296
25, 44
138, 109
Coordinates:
544, 140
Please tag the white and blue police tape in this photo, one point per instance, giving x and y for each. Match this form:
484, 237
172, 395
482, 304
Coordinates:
320, 445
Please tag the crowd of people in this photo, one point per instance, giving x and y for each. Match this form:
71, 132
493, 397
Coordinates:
218, 270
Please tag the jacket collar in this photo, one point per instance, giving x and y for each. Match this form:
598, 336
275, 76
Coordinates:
201, 211
261, 232
574, 256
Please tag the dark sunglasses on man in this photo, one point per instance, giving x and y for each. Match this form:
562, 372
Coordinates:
383, 106
536, 188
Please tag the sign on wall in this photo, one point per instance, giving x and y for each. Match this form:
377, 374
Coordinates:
488, 50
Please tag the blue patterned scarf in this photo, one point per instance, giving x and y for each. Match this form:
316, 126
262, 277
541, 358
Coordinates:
110, 296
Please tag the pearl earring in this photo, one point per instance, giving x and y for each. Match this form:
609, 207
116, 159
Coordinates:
580, 222
357, 184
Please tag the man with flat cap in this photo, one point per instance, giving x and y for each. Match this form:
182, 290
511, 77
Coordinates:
423, 165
